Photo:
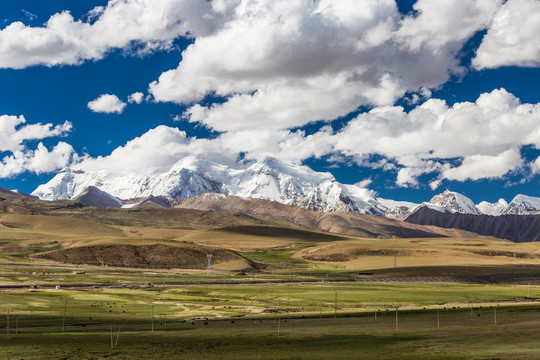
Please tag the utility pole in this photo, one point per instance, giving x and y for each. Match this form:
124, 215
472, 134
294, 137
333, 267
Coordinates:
8, 324
335, 305
472, 308
152, 317
117, 336
64, 317
495, 314
209, 268
397, 328
514, 256
438, 321
275, 312
375, 308
290, 325
528, 292
395, 259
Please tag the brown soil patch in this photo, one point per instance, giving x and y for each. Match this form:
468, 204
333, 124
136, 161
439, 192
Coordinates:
505, 253
13, 249
155, 256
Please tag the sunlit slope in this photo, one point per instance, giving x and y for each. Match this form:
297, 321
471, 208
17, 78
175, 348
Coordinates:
149, 237
370, 254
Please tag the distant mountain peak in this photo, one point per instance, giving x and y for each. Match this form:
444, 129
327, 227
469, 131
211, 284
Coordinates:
92, 196
493, 209
455, 201
523, 205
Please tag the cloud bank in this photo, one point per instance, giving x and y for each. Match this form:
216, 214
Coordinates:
278, 65
465, 141
148, 25
15, 140
283, 64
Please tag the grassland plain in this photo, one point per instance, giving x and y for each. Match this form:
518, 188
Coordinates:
233, 322
316, 281
242, 332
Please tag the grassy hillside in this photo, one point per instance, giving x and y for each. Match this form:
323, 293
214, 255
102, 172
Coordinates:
276, 245
372, 254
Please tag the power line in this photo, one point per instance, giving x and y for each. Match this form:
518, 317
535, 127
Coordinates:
209, 268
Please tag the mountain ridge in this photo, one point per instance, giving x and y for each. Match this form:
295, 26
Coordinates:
269, 179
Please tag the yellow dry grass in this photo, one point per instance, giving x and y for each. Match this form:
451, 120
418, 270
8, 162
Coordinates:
57, 225
365, 254
348, 254
238, 242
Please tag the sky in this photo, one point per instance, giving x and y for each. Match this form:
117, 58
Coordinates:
406, 98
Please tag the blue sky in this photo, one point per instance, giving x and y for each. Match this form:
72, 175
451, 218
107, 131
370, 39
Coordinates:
228, 72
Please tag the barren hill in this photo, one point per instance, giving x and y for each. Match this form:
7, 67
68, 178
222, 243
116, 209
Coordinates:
518, 228
348, 223
150, 256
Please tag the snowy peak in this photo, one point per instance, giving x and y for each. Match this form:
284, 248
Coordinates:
456, 202
302, 174
269, 179
523, 205
396, 209
493, 209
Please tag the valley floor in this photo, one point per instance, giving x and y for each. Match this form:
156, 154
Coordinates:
274, 321
72, 282
459, 335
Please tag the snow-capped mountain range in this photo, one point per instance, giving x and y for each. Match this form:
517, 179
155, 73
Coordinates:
450, 201
270, 179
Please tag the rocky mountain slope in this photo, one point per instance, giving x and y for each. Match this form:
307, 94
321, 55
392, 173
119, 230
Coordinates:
348, 223
92, 196
518, 228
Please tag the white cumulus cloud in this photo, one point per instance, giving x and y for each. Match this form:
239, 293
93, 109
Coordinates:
151, 24
14, 132
107, 104
476, 167
136, 98
15, 136
38, 161
536, 166
485, 135
512, 38
162, 146
282, 64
